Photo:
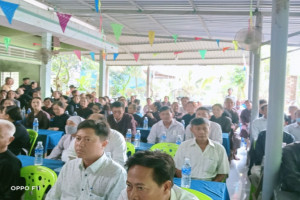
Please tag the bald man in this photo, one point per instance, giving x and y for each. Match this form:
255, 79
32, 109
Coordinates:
10, 165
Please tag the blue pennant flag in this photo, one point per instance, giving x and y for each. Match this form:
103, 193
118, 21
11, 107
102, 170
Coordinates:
8, 9
96, 5
92, 55
115, 56
218, 42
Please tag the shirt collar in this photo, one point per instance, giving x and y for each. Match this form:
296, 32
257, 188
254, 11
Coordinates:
96, 165
210, 143
161, 123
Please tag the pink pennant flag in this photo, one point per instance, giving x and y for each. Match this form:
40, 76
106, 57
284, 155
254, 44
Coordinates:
100, 28
136, 56
225, 48
198, 38
78, 54
177, 52
63, 20
36, 44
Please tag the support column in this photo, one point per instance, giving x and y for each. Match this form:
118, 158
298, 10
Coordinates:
148, 81
102, 73
107, 81
256, 76
250, 76
45, 69
273, 150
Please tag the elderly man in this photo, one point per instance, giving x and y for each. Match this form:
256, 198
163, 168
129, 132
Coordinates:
150, 177
9, 82
10, 165
294, 128
120, 120
208, 158
166, 125
215, 131
93, 175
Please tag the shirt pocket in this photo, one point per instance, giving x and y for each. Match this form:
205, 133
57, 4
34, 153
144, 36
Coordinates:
93, 196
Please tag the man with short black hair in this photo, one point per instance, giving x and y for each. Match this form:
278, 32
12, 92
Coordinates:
26, 85
167, 125
121, 121
208, 158
294, 128
92, 175
150, 177
260, 124
190, 109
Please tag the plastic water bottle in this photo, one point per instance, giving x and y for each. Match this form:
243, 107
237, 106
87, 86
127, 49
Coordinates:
28, 111
128, 135
35, 125
75, 113
183, 123
67, 112
186, 171
39, 151
137, 139
145, 126
23, 112
163, 137
178, 139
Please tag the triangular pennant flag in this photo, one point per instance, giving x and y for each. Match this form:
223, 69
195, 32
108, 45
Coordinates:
198, 38
218, 42
136, 56
225, 48
7, 42
92, 55
104, 55
202, 53
8, 9
99, 5
78, 54
235, 43
151, 35
63, 20
155, 54
36, 44
100, 27
96, 5
177, 52
175, 36
115, 56
117, 29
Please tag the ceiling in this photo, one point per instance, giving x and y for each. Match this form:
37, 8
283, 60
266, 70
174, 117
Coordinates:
210, 20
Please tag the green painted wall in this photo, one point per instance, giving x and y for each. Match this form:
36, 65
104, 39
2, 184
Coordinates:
25, 69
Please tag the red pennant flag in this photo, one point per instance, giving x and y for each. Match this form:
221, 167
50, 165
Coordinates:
198, 38
225, 48
78, 54
177, 52
36, 44
63, 20
100, 28
136, 56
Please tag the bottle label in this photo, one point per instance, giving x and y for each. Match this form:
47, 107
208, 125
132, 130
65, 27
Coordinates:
186, 171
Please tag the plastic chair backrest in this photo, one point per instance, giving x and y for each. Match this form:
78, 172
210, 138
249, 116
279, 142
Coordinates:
33, 136
37, 176
199, 195
169, 148
130, 149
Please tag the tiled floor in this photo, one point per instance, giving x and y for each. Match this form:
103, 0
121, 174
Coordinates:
238, 183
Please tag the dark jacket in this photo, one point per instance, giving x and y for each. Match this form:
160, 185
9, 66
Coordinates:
21, 140
127, 122
60, 121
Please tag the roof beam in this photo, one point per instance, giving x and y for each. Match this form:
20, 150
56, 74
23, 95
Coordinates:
187, 59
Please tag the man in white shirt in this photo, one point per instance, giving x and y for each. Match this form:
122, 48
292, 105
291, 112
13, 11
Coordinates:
150, 177
116, 143
92, 175
166, 125
184, 101
215, 130
260, 124
230, 90
294, 129
208, 158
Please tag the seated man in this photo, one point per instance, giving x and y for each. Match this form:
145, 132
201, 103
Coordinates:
215, 131
120, 120
150, 176
190, 108
294, 129
93, 175
260, 124
167, 125
10, 165
290, 168
208, 158
116, 143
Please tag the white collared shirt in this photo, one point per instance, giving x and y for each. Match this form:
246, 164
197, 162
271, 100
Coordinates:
116, 146
103, 180
205, 165
293, 129
60, 151
157, 129
215, 132
258, 125
176, 194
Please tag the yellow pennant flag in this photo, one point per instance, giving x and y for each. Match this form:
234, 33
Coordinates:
151, 35
235, 43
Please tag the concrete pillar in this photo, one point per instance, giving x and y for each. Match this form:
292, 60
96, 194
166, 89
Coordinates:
148, 81
250, 76
45, 69
102, 75
273, 150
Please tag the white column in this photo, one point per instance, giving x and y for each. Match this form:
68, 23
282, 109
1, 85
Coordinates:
102, 75
273, 150
148, 81
250, 76
45, 69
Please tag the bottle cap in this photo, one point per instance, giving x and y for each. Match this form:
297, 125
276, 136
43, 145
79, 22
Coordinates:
40, 143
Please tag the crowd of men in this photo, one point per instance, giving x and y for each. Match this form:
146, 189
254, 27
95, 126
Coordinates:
94, 146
